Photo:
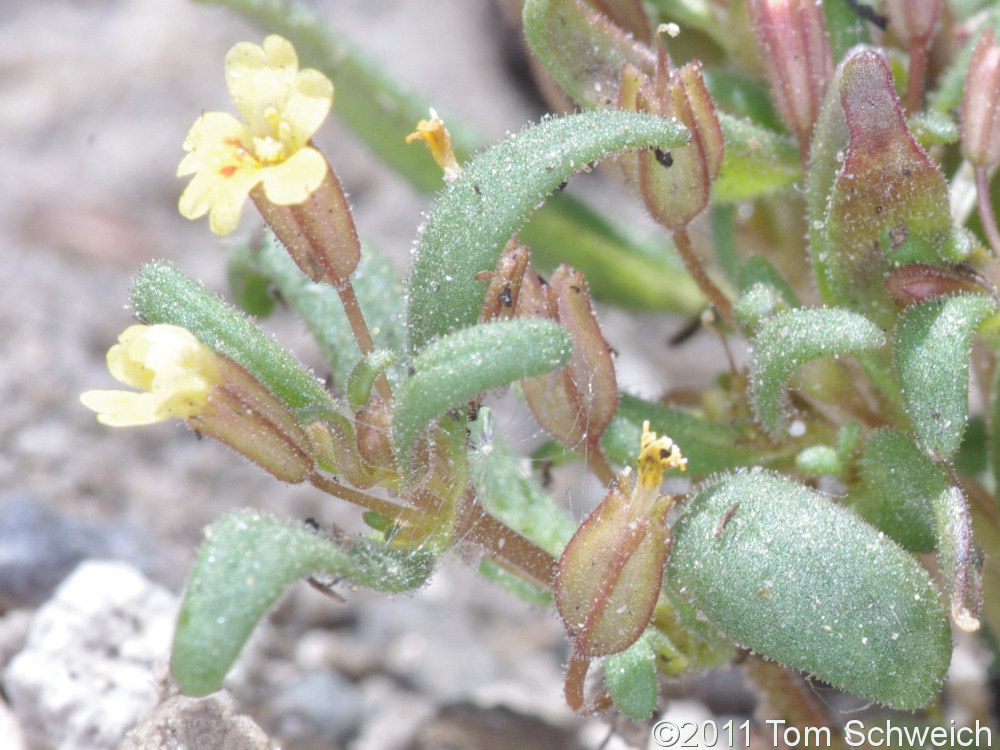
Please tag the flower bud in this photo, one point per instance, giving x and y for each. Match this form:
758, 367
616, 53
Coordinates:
373, 423
576, 402
675, 184
912, 21
981, 104
253, 422
791, 36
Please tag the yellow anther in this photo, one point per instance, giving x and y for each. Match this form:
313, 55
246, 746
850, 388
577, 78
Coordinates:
438, 140
656, 455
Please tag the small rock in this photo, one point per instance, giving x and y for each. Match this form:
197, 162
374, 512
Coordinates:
10, 729
41, 547
475, 728
182, 722
85, 675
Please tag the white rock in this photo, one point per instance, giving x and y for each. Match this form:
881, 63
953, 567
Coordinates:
182, 722
86, 673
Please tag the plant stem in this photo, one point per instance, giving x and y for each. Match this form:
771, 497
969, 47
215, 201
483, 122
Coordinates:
361, 333
682, 240
504, 546
598, 464
785, 696
361, 499
986, 216
915, 78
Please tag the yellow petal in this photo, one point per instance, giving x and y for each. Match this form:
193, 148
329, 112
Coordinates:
308, 105
295, 179
123, 362
212, 140
122, 408
228, 199
260, 80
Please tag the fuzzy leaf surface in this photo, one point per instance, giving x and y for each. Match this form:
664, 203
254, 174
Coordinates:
791, 338
163, 294
247, 560
493, 197
933, 341
456, 367
631, 679
897, 490
781, 569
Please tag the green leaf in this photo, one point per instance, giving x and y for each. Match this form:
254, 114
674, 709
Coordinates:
582, 50
163, 294
492, 198
845, 26
783, 570
244, 565
362, 378
933, 341
792, 338
631, 679
757, 161
888, 199
708, 446
897, 488
250, 290
455, 368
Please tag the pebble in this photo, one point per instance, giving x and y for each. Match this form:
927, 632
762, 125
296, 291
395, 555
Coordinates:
85, 674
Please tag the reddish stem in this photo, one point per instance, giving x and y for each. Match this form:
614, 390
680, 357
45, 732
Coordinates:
682, 240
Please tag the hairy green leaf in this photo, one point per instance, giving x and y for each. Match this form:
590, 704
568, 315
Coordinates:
783, 570
163, 294
933, 341
793, 337
757, 161
631, 678
582, 50
247, 560
897, 488
456, 367
509, 492
496, 192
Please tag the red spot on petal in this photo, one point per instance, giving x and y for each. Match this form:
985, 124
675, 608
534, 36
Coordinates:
228, 171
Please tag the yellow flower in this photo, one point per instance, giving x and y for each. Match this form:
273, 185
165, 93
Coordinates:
169, 364
282, 108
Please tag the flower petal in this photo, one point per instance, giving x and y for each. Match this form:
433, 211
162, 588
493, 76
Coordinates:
213, 138
260, 80
308, 104
122, 408
294, 180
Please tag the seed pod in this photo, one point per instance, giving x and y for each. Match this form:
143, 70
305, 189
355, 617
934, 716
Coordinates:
610, 574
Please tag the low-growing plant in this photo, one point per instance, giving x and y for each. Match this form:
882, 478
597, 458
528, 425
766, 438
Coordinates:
823, 182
